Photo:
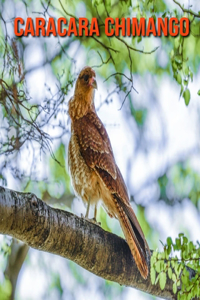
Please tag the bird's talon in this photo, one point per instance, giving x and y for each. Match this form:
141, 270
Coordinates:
93, 220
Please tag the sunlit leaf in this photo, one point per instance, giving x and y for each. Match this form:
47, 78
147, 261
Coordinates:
186, 96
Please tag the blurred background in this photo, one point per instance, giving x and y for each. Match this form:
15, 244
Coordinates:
149, 103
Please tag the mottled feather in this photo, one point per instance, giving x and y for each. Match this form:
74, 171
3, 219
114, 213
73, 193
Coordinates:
95, 175
94, 143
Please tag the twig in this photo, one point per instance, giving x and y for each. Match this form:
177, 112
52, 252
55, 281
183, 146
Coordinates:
189, 11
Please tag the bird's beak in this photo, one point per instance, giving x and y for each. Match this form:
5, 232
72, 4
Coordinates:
93, 83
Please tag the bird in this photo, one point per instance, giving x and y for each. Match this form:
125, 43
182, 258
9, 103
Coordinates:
94, 173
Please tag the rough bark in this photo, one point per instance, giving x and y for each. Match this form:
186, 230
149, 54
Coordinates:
29, 219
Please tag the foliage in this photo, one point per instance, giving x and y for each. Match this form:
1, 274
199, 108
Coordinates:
35, 129
180, 182
5, 289
5, 285
173, 263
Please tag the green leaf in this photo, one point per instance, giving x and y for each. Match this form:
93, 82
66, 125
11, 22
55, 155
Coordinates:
167, 254
153, 260
178, 282
184, 279
180, 49
169, 241
170, 273
181, 92
157, 278
108, 5
187, 71
163, 279
198, 93
191, 246
174, 288
173, 277
158, 266
179, 78
161, 255
153, 275
178, 243
5, 289
197, 289
186, 96
169, 249
139, 39
155, 253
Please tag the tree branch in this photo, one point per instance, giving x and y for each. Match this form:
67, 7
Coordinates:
29, 219
189, 11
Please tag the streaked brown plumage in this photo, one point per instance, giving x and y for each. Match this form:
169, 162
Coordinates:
95, 175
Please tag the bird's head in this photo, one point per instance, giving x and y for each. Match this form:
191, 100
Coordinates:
86, 81
83, 99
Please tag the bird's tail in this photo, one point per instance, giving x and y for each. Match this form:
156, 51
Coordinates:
134, 235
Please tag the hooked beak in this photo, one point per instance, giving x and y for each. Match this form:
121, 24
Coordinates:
93, 83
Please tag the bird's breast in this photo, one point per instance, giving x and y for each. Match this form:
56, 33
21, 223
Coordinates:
84, 180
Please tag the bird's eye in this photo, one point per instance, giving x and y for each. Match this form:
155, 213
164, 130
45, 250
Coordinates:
86, 77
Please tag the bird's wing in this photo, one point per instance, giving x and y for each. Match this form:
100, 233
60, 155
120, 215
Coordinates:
96, 150
94, 144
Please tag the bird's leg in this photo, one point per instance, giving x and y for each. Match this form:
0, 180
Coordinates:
95, 213
88, 208
94, 220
